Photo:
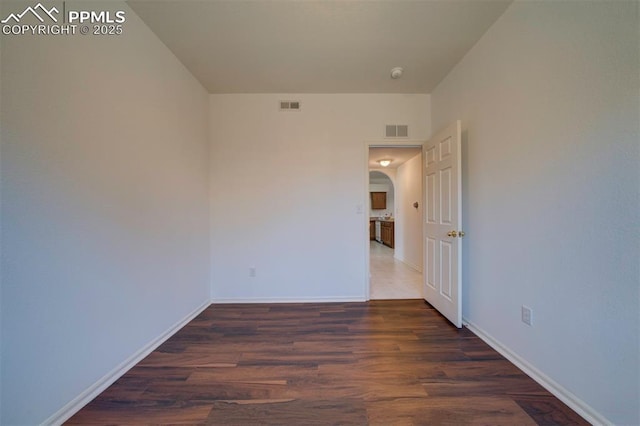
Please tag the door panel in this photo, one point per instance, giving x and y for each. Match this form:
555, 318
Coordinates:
443, 220
445, 268
430, 263
445, 197
430, 203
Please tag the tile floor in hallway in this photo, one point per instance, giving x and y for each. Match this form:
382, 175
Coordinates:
391, 278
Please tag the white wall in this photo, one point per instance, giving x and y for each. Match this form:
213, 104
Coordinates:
390, 173
408, 224
549, 104
292, 183
104, 208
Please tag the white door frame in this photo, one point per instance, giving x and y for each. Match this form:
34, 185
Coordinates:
405, 143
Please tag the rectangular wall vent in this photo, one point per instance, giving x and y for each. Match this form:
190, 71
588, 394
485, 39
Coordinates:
397, 131
289, 105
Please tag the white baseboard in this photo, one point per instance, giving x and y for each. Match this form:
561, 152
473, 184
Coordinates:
560, 392
409, 264
107, 380
289, 300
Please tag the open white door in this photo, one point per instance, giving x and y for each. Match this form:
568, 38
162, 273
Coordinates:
443, 220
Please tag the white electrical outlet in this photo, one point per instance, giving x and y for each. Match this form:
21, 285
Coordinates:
527, 315
252, 272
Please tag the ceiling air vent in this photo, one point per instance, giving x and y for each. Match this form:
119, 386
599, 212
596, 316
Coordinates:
397, 131
289, 105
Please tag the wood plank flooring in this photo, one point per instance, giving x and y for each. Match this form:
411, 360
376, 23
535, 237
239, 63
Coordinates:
380, 363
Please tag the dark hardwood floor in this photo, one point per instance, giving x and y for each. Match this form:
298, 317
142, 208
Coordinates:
382, 363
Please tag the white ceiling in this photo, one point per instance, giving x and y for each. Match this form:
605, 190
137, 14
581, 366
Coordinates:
398, 155
319, 46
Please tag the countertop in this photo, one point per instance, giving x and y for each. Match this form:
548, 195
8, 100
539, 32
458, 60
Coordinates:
381, 219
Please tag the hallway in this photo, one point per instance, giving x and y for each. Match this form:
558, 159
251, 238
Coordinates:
390, 278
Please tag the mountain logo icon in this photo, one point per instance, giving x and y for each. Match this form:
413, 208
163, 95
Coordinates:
43, 11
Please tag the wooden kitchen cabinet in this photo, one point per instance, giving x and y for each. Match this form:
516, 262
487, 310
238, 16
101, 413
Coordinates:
387, 233
378, 200
372, 230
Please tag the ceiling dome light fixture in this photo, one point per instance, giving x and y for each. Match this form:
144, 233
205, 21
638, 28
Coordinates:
396, 72
384, 163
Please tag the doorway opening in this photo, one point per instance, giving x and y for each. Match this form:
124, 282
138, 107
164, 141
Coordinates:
394, 247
